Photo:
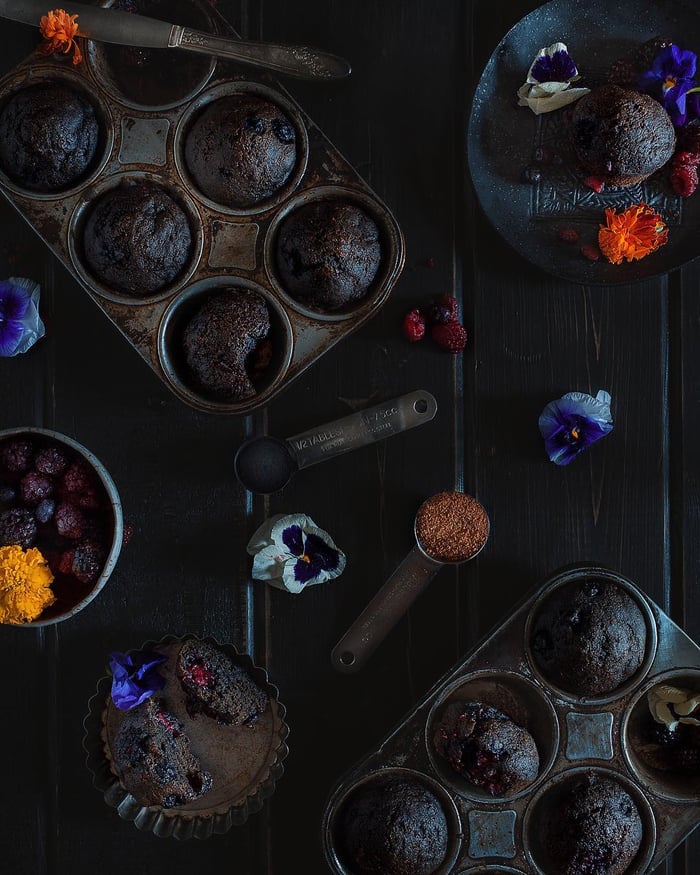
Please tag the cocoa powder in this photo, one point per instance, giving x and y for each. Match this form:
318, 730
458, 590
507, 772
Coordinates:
451, 526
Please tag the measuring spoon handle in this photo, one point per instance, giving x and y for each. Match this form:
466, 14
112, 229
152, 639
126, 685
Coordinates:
380, 616
364, 427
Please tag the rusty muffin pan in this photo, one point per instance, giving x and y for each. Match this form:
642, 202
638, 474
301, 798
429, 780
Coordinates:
232, 247
575, 736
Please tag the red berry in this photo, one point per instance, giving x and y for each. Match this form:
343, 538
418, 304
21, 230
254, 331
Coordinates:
593, 182
591, 252
684, 179
685, 158
413, 325
451, 337
568, 235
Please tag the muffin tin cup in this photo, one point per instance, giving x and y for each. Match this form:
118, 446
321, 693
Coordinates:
49, 617
574, 736
171, 355
332, 845
392, 253
517, 697
542, 810
80, 216
48, 73
228, 89
681, 785
575, 576
246, 762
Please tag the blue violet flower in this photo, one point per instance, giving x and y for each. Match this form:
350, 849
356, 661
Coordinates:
670, 79
291, 552
135, 677
574, 422
548, 83
20, 323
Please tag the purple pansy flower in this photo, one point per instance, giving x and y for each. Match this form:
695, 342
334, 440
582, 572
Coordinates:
20, 324
291, 552
554, 66
669, 79
548, 83
135, 677
573, 423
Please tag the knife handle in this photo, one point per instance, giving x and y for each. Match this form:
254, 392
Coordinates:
300, 61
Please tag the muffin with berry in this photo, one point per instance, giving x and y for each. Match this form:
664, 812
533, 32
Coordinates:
666, 730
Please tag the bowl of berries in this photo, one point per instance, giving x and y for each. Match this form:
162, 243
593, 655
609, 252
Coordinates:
61, 527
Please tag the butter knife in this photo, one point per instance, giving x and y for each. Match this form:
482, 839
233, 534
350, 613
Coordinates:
129, 29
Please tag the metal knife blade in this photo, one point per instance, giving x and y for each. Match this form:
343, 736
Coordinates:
126, 28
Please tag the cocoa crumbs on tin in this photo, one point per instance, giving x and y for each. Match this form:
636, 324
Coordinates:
451, 526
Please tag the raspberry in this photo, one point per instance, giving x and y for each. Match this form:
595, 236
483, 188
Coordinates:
17, 455
17, 526
51, 460
591, 252
65, 562
443, 310
684, 158
451, 337
69, 521
684, 179
413, 325
34, 488
689, 140
44, 510
88, 559
593, 182
568, 235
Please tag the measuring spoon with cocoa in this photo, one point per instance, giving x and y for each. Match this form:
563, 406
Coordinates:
449, 528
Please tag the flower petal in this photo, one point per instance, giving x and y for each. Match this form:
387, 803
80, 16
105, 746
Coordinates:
293, 539
268, 563
262, 537
574, 422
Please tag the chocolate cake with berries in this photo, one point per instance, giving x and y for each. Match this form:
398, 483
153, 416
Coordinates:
328, 254
621, 136
487, 748
49, 135
226, 344
137, 239
394, 826
589, 637
596, 828
240, 150
216, 686
153, 760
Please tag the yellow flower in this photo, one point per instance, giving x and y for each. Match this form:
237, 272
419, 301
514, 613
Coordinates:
59, 29
25, 584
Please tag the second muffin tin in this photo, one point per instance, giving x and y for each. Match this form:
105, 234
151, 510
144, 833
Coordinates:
232, 247
575, 735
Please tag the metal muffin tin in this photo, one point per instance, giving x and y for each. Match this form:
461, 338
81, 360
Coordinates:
574, 736
231, 246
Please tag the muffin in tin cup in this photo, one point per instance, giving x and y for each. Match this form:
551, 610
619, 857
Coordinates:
135, 239
393, 821
589, 816
590, 635
329, 251
56, 135
211, 356
492, 736
59, 499
238, 758
241, 148
154, 78
662, 752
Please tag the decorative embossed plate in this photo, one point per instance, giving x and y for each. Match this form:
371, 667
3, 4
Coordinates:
503, 139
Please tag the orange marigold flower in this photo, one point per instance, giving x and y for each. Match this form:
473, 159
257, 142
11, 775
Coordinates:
59, 30
631, 234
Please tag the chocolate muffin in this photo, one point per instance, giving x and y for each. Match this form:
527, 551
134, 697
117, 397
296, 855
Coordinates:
393, 826
48, 137
226, 344
328, 254
217, 686
483, 745
595, 830
621, 136
589, 637
137, 239
153, 759
240, 150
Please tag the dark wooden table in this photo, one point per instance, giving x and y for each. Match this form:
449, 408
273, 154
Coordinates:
631, 503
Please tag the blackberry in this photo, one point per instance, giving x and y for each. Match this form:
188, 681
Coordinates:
531, 174
645, 54
660, 734
255, 124
45, 510
689, 139
440, 314
284, 132
88, 559
687, 759
17, 526
34, 488
16, 455
69, 521
51, 461
7, 493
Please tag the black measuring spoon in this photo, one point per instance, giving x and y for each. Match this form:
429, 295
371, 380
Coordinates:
266, 464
